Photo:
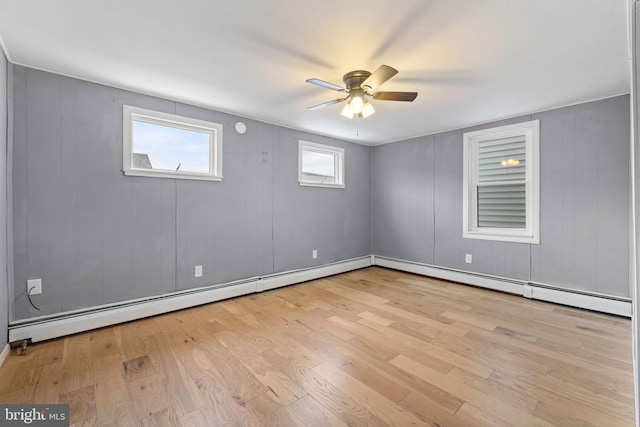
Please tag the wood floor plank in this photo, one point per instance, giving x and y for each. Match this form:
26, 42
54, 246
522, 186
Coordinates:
77, 367
164, 418
313, 414
148, 395
431, 412
113, 401
227, 407
82, 404
372, 347
272, 413
490, 404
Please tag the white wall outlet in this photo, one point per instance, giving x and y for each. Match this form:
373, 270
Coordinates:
314, 254
34, 286
198, 271
468, 258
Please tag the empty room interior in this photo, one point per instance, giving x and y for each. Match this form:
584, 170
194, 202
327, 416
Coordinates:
343, 214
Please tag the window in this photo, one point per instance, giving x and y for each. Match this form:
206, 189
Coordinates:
501, 183
168, 146
320, 165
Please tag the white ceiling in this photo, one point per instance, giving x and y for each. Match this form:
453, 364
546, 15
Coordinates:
472, 61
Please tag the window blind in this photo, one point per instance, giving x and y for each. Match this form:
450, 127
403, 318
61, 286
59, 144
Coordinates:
501, 183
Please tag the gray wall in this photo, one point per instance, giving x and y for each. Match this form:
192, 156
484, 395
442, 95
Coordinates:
95, 236
4, 298
417, 202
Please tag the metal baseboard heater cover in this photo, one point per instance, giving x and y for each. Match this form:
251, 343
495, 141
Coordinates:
597, 302
48, 327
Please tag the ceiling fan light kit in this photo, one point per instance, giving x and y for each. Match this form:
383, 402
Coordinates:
361, 85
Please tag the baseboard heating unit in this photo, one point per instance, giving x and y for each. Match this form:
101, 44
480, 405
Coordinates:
72, 322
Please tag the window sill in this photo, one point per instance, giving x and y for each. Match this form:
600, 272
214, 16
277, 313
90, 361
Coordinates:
313, 184
534, 240
158, 174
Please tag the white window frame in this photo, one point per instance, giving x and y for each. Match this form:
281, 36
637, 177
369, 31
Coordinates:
171, 120
338, 154
531, 234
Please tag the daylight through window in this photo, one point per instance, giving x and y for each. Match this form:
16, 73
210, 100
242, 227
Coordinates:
169, 146
320, 165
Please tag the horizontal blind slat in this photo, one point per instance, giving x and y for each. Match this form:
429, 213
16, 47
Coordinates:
502, 206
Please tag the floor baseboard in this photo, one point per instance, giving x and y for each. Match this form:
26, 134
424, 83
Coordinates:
574, 298
5, 353
62, 324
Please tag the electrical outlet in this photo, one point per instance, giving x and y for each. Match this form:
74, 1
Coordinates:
314, 254
34, 286
468, 258
198, 271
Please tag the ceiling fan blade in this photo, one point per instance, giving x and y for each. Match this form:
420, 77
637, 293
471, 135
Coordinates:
395, 96
379, 76
326, 104
324, 84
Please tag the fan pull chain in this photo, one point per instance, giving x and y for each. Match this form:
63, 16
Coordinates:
357, 124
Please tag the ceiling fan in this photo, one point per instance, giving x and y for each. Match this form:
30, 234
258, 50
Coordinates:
360, 85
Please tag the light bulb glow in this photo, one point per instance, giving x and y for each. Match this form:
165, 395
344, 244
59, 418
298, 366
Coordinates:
347, 111
356, 104
367, 109
510, 162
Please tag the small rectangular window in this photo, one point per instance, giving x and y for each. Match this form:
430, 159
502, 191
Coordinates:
320, 165
168, 146
501, 183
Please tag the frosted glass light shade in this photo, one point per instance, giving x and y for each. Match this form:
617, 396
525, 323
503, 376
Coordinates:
347, 111
356, 104
367, 109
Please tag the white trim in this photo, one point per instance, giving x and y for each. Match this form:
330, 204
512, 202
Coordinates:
5, 353
92, 320
589, 302
574, 298
489, 282
531, 234
214, 130
336, 152
48, 327
299, 276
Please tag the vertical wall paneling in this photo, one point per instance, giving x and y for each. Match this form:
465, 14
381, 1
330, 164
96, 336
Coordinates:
44, 231
496, 258
95, 236
585, 198
333, 221
89, 198
19, 190
72, 293
353, 203
226, 226
403, 192
584, 203
613, 185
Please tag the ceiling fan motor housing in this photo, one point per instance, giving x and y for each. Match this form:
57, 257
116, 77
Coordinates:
353, 79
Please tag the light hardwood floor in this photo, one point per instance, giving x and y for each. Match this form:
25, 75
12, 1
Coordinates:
371, 347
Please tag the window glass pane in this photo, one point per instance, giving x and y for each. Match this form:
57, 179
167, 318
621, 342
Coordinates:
502, 206
169, 148
318, 167
502, 159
